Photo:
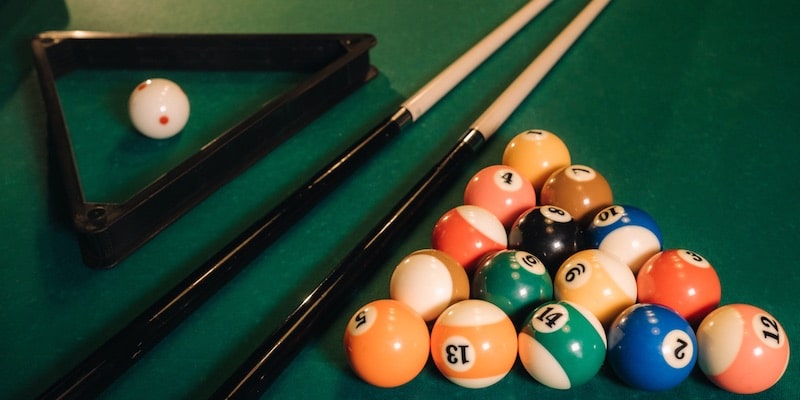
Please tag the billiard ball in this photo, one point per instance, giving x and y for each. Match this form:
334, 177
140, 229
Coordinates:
682, 280
502, 191
562, 345
158, 108
627, 232
429, 281
579, 189
514, 280
536, 154
651, 347
386, 332
474, 344
467, 233
548, 232
742, 348
597, 281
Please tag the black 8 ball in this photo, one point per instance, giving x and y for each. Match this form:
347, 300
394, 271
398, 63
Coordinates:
548, 232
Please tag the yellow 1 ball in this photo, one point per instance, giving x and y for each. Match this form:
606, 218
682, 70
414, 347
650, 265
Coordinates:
536, 154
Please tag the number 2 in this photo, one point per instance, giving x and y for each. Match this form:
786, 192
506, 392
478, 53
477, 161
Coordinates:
679, 354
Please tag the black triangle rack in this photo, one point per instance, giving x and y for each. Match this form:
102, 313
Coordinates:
108, 232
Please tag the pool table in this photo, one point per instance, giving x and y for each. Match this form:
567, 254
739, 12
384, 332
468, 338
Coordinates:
688, 108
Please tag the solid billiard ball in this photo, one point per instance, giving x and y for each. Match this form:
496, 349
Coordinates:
536, 154
467, 233
502, 191
158, 108
651, 347
682, 280
474, 344
597, 281
429, 281
514, 280
579, 189
386, 332
549, 233
627, 232
562, 345
742, 348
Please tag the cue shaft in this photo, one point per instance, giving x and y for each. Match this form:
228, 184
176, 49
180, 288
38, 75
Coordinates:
111, 359
264, 364
433, 91
504, 105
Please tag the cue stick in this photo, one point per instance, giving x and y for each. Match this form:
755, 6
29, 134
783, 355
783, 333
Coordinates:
263, 366
96, 372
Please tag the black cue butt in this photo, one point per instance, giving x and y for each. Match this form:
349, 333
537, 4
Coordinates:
109, 361
267, 362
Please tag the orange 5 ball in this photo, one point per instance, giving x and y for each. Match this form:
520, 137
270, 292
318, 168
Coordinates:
387, 333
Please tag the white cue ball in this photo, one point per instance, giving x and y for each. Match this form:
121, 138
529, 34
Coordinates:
158, 108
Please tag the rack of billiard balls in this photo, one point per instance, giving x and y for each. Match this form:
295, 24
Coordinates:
565, 285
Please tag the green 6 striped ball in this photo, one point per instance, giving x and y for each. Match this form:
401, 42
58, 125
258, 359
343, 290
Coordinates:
514, 280
562, 345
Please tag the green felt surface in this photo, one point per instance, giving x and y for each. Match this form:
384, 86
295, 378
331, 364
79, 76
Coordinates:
688, 108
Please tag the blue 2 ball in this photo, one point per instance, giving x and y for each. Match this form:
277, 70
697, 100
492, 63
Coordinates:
651, 347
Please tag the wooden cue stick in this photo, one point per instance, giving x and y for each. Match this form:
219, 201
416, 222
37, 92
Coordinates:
270, 358
96, 372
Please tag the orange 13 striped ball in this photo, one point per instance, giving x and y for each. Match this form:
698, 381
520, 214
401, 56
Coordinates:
474, 344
